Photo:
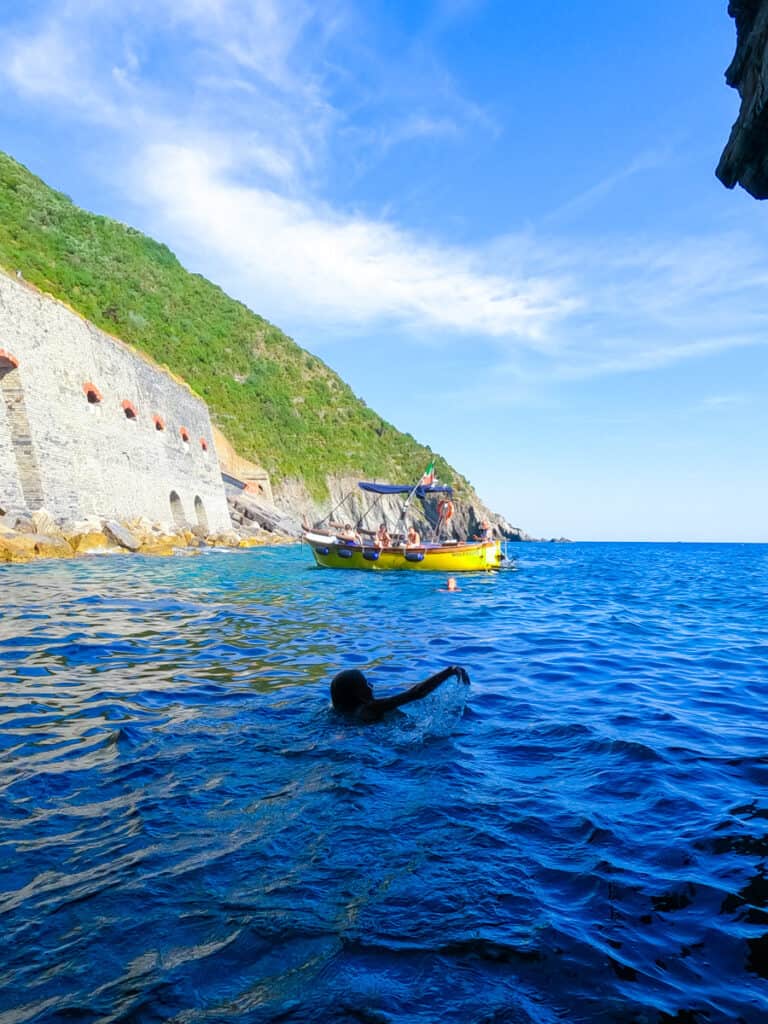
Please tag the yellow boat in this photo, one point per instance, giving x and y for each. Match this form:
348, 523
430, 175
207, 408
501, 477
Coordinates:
334, 553
342, 551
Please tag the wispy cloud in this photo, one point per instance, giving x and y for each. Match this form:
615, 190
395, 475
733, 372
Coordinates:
49, 65
231, 109
418, 126
339, 267
723, 401
229, 156
156, 68
646, 302
590, 197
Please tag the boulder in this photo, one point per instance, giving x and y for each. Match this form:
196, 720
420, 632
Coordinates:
168, 540
44, 523
158, 549
121, 535
51, 547
93, 540
143, 530
23, 547
226, 539
140, 524
88, 524
17, 547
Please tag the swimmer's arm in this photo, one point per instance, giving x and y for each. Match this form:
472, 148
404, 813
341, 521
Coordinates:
419, 690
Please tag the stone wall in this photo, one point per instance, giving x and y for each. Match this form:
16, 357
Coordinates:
90, 427
255, 478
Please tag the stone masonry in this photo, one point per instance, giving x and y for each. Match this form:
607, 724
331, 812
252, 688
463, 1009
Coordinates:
90, 427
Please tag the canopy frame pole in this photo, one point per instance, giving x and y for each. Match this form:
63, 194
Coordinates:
407, 503
365, 513
327, 517
438, 527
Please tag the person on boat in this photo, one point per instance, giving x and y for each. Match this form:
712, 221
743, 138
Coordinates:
486, 531
350, 534
351, 693
382, 538
413, 540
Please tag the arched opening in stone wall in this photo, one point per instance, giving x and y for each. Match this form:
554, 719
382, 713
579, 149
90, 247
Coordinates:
177, 511
202, 515
12, 392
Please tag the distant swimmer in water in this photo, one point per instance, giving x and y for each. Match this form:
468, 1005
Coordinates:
351, 693
451, 586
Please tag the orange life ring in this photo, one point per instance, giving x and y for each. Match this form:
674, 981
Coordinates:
445, 509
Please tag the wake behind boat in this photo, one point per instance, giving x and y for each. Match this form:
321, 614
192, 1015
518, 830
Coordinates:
344, 547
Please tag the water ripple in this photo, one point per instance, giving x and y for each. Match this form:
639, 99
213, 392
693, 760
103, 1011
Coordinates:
190, 834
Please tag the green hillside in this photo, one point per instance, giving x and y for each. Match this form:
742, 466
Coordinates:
279, 405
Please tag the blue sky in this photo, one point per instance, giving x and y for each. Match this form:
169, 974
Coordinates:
498, 221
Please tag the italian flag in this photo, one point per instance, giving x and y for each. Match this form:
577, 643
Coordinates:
429, 475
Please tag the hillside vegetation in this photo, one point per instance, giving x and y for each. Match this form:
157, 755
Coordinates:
278, 404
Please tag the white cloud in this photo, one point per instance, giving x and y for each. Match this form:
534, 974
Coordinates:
231, 141
49, 65
646, 302
340, 268
629, 356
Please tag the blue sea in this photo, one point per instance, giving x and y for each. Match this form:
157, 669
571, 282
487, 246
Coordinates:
189, 833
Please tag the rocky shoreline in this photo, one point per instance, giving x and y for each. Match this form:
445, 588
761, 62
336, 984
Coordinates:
255, 522
36, 536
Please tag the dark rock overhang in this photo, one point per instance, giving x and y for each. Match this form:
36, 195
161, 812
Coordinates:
745, 157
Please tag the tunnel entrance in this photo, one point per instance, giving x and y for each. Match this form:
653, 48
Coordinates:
177, 511
21, 436
202, 515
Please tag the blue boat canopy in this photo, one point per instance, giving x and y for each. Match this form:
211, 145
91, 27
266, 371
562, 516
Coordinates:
421, 489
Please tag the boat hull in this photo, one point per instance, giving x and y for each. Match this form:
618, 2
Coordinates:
444, 558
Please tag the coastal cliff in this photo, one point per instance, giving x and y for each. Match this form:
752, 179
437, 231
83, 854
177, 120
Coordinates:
347, 503
280, 407
289, 426
745, 157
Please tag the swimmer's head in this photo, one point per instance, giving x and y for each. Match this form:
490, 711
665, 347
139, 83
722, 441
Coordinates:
451, 583
350, 690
